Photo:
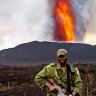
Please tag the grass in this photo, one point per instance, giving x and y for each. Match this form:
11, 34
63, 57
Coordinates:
19, 81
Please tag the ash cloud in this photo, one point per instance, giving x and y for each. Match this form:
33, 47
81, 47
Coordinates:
85, 13
23, 21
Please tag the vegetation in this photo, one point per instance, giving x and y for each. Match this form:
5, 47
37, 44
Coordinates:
19, 81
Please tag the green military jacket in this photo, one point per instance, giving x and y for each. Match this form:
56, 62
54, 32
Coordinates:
60, 77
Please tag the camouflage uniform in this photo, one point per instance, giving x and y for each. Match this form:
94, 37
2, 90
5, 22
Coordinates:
59, 74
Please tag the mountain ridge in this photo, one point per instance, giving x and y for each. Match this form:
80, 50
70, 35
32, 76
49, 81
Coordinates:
45, 52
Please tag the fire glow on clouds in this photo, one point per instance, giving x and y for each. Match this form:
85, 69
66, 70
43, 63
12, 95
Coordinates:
28, 20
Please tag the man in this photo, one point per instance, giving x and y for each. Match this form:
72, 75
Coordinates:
54, 77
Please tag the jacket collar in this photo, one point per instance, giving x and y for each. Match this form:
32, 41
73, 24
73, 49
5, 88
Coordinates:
58, 66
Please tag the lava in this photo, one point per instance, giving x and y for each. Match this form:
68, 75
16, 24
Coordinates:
65, 22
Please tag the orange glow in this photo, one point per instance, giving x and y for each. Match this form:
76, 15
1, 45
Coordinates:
64, 18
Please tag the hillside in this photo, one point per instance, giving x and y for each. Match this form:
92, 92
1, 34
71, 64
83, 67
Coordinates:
45, 52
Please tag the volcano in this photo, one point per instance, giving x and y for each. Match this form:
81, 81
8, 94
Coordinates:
45, 52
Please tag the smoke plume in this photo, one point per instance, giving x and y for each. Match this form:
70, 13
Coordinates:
90, 23
24, 21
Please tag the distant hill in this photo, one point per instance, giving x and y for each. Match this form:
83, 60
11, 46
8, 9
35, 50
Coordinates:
45, 52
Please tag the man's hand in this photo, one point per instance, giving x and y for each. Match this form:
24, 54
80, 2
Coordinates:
52, 88
74, 93
51, 85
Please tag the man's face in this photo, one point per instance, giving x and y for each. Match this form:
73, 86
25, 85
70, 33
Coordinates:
62, 59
